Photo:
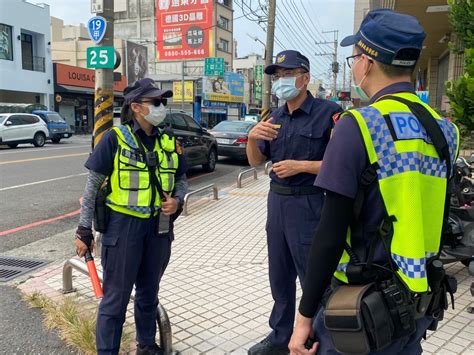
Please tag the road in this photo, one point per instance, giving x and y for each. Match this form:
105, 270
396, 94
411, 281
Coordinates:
40, 188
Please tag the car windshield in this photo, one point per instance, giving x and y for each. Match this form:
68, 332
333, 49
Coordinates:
55, 118
233, 126
2, 118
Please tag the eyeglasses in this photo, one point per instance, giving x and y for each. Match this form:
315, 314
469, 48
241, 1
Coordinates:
155, 102
288, 74
350, 60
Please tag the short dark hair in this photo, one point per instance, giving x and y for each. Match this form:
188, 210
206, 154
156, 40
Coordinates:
393, 71
126, 114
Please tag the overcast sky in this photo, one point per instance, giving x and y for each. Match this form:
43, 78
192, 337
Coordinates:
299, 24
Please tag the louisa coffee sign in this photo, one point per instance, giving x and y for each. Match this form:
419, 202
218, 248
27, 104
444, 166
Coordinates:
81, 77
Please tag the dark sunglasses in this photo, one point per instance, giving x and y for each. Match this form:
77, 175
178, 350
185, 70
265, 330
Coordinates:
155, 102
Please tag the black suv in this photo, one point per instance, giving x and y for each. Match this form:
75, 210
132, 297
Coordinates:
200, 147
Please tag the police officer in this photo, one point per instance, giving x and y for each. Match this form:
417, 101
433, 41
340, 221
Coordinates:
137, 243
294, 138
385, 183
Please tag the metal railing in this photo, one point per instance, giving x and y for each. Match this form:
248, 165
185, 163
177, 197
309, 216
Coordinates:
239, 178
34, 63
162, 319
186, 197
268, 167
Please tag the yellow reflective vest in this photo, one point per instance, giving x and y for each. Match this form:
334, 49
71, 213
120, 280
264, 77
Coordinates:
131, 188
412, 181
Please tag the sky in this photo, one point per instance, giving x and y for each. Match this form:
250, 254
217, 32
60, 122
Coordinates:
299, 24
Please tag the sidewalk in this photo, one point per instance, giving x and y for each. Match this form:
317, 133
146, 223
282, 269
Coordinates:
216, 288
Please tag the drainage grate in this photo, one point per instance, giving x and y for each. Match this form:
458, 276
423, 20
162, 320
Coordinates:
11, 267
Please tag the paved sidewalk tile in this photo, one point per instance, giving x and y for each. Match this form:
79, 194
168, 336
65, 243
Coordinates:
216, 288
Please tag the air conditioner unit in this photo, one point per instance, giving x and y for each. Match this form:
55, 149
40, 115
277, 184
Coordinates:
220, 46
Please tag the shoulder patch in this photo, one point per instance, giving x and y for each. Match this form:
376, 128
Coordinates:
336, 117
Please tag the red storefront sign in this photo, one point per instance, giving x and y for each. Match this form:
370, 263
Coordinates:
81, 77
184, 29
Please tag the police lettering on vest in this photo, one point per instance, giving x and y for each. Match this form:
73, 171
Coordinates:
412, 181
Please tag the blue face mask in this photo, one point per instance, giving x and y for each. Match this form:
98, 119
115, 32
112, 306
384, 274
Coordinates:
285, 88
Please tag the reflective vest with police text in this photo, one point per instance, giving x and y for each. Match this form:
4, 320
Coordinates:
130, 180
412, 181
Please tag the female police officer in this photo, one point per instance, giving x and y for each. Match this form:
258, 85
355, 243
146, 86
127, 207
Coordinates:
142, 165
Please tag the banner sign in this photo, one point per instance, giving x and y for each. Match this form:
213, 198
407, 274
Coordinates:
227, 88
188, 91
183, 29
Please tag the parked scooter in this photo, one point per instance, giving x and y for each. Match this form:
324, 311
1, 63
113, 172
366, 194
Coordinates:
459, 236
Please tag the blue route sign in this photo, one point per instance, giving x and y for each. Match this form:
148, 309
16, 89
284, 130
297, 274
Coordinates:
96, 27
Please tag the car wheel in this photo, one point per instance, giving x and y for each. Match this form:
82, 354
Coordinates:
13, 145
211, 161
39, 139
56, 140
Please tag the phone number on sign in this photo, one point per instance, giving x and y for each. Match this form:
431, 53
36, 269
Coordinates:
184, 52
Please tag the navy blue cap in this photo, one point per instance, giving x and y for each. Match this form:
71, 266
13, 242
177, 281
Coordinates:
289, 60
144, 88
389, 37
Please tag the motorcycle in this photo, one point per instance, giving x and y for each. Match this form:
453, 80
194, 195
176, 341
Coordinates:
459, 234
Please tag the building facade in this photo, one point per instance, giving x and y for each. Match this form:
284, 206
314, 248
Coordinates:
251, 68
26, 69
438, 63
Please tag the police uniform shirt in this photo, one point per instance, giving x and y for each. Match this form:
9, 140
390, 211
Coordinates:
102, 157
345, 161
303, 135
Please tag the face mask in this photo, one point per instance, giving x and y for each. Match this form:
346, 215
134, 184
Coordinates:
285, 89
156, 115
359, 91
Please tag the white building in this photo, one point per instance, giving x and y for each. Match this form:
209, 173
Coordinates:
26, 69
246, 66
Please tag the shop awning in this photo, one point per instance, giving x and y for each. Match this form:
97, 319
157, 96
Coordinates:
79, 90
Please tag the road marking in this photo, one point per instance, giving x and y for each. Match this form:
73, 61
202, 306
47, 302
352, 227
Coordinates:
47, 149
43, 158
200, 176
42, 181
39, 223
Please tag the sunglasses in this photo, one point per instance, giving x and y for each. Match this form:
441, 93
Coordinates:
155, 102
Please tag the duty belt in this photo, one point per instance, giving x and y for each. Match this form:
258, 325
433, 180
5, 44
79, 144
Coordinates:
293, 190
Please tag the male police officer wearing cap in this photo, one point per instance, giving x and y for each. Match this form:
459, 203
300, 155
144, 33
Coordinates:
385, 174
294, 138
137, 244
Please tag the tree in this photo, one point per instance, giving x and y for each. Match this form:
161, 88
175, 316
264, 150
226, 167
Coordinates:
461, 90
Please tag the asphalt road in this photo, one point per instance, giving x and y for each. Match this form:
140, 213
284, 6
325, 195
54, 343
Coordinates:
40, 188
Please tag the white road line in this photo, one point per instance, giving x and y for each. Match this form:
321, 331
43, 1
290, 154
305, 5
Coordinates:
47, 149
41, 182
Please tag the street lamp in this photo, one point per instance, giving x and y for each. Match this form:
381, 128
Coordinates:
256, 39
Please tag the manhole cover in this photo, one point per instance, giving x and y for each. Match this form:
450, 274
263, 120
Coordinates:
11, 267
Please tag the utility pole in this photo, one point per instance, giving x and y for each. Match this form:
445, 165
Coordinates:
268, 57
334, 64
183, 66
104, 82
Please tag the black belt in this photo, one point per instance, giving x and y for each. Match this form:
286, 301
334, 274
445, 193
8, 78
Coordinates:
293, 190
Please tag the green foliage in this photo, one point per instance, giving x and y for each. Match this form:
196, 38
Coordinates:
461, 90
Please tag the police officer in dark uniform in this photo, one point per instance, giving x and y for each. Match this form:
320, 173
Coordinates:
294, 138
385, 178
137, 244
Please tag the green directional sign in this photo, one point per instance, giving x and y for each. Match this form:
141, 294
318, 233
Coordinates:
100, 57
258, 83
214, 66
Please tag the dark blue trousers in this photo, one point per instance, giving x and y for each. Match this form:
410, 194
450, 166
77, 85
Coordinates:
291, 226
409, 345
132, 253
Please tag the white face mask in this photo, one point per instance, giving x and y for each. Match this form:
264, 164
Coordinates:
156, 115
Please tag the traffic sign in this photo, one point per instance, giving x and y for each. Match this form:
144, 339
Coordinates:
97, 6
100, 57
214, 66
96, 27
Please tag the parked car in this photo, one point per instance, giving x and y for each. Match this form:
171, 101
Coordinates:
200, 147
232, 137
16, 128
57, 126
